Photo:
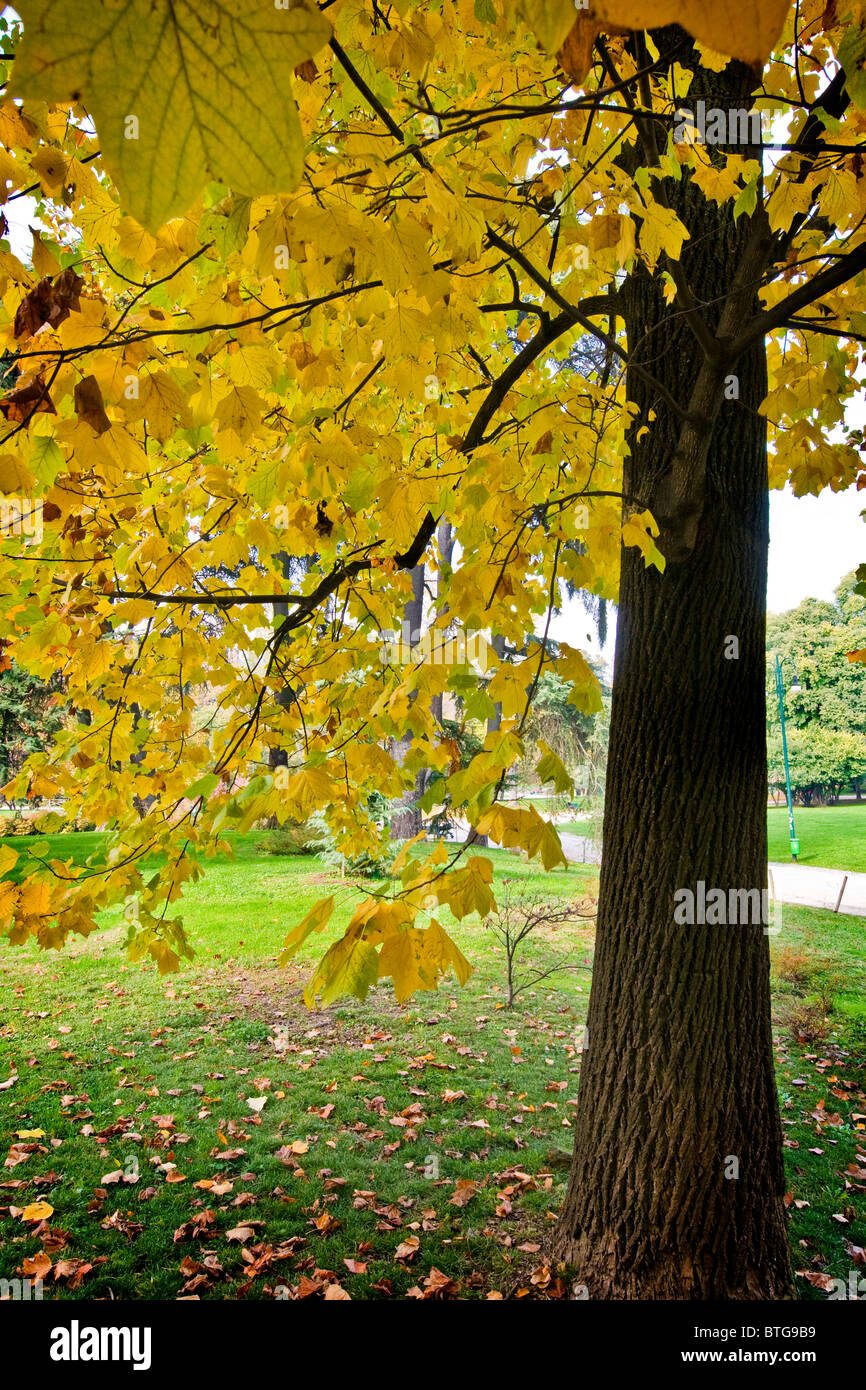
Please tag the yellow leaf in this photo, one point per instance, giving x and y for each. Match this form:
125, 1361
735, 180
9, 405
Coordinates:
8, 856
44, 262
746, 30
639, 530
216, 103
551, 769
516, 828
400, 958
35, 899
37, 1211
417, 959
573, 666
315, 920
309, 788
468, 890
8, 901
661, 230
351, 966
549, 20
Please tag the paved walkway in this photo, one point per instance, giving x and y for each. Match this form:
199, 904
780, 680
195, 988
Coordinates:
814, 887
790, 883
579, 848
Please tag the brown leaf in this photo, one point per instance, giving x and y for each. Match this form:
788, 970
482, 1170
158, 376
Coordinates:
118, 1222
36, 1266
31, 398
575, 56
825, 1282
49, 302
463, 1192
407, 1249
240, 1233
90, 410
73, 1270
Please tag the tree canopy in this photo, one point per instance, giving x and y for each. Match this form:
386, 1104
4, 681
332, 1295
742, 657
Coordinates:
307, 291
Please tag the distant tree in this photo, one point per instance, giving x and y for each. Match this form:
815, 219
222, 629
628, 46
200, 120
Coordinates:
30, 715
818, 635
822, 762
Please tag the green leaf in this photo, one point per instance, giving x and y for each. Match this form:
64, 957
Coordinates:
351, 966
180, 94
315, 920
226, 227
747, 200
46, 459
203, 787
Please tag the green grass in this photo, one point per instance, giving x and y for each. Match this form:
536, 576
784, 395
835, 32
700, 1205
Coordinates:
831, 837
104, 1051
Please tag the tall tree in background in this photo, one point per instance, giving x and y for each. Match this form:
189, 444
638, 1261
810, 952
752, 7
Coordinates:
30, 715
817, 636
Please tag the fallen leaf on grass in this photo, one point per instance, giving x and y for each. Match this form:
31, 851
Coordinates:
436, 1285
240, 1233
407, 1249
118, 1222
39, 1211
825, 1282
36, 1266
464, 1191
198, 1228
325, 1223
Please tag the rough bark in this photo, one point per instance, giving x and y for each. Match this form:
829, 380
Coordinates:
406, 818
494, 723
677, 1073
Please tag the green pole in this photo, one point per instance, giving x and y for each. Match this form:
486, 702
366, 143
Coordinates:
780, 691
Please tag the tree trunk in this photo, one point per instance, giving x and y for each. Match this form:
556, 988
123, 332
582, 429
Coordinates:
677, 1091
494, 724
406, 818
445, 543
277, 756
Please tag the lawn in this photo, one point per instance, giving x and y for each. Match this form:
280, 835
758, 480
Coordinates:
831, 837
204, 1135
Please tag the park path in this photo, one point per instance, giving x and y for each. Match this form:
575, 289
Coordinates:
799, 884
579, 848
814, 887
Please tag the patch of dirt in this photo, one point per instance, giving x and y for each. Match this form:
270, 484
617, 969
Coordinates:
270, 996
